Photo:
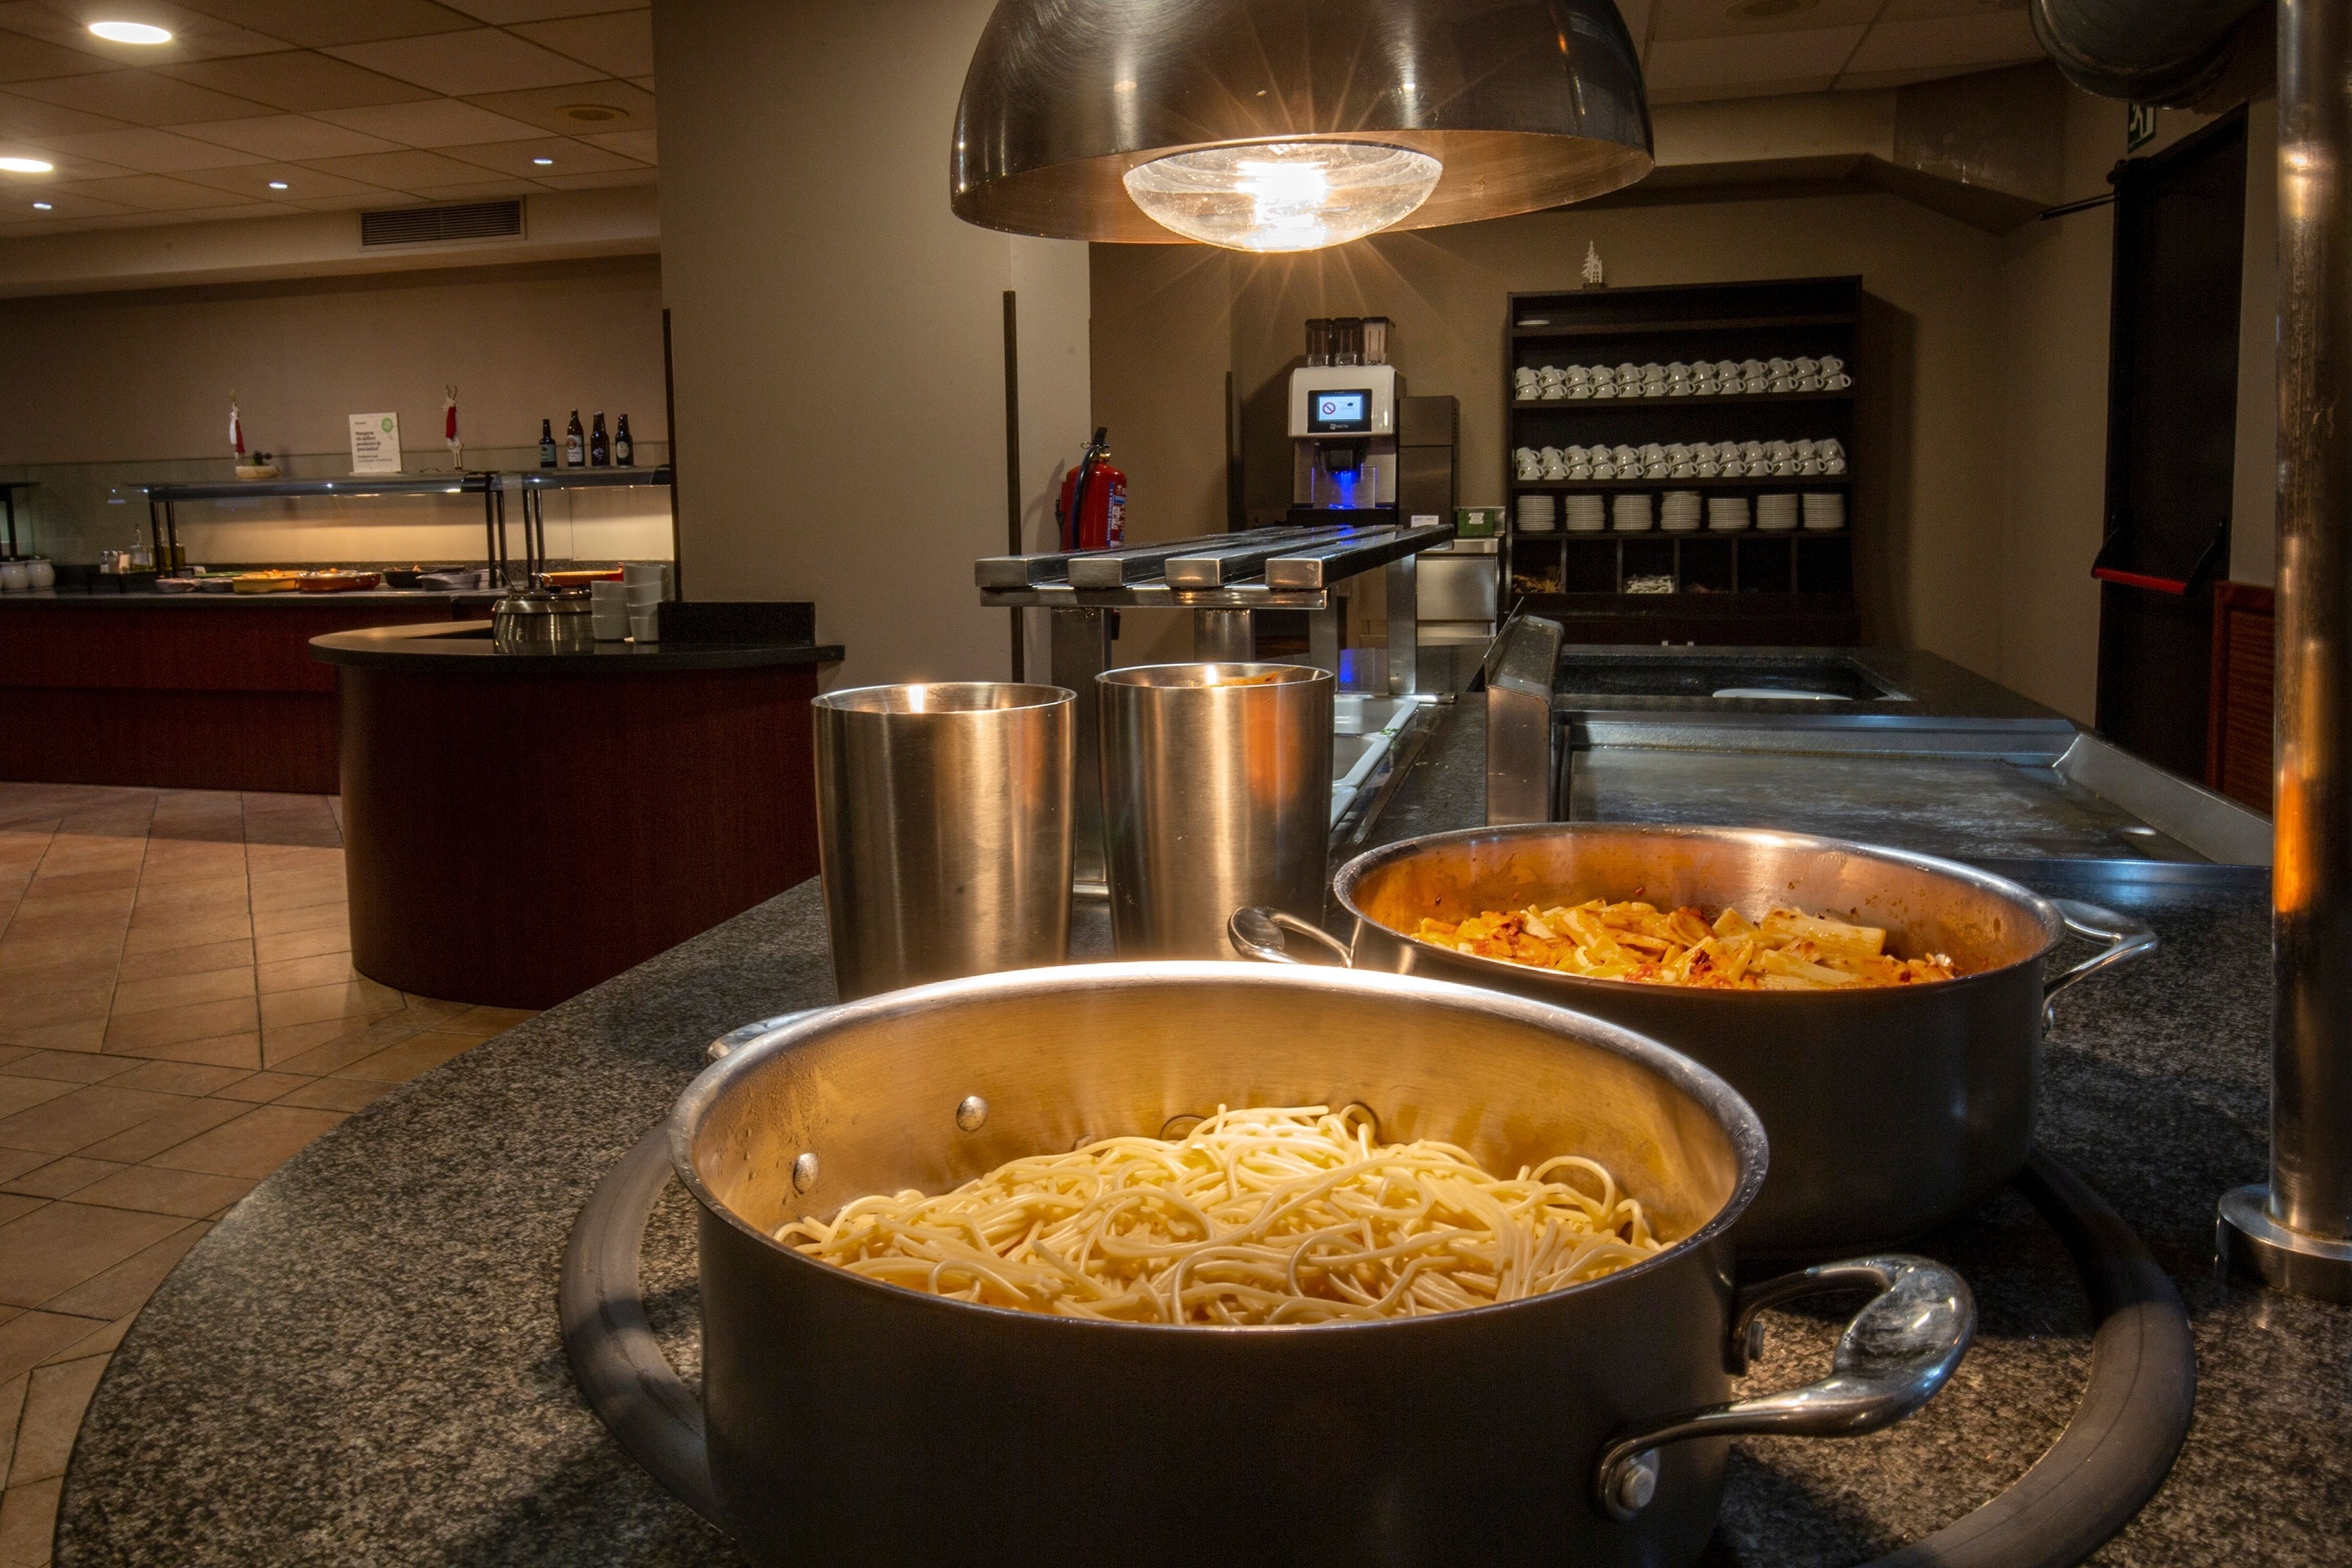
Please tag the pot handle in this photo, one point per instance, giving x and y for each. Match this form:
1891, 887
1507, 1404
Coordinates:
2127, 939
1257, 946
727, 1043
1890, 1359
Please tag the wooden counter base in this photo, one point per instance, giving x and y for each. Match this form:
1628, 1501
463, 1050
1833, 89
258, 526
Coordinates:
514, 839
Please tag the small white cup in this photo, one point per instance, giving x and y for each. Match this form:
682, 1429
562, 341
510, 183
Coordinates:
40, 574
644, 626
609, 625
636, 574
14, 579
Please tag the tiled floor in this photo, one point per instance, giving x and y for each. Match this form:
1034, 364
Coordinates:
178, 1015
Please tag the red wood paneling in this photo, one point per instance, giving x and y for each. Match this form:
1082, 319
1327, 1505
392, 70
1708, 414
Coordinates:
2238, 727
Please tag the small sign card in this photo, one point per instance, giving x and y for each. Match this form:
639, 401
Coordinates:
375, 443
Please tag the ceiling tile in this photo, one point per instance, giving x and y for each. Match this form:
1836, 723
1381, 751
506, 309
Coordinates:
434, 122
620, 43
63, 165
193, 36
483, 191
287, 137
1915, 10
149, 152
345, 203
506, 11
65, 202
1960, 43
1680, 64
637, 144
401, 171
313, 24
1679, 20
603, 106
644, 84
252, 181
142, 98
1776, 88
1871, 81
566, 157
31, 117
298, 79
482, 60
23, 59
154, 193
642, 174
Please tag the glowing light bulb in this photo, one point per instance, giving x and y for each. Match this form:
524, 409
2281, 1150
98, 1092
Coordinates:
1282, 195
26, 165
131, 33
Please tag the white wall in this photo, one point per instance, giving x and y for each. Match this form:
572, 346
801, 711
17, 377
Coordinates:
837, 332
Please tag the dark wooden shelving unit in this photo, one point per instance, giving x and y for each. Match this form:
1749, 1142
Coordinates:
1748, 587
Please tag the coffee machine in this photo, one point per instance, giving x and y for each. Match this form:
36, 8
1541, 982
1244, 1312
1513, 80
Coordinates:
1343, 424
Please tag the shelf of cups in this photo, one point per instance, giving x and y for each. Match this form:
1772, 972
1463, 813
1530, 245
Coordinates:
1688, 400
1744, 483
1653, 327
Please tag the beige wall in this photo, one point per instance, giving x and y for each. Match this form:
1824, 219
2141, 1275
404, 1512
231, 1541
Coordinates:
106, 388
1158, 365
837, 332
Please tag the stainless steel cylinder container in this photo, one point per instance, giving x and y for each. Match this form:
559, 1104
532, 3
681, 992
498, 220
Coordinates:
944, 821
1216, 783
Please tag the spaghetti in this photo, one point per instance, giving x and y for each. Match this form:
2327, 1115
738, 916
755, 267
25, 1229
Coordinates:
1257, 1216
1787, 951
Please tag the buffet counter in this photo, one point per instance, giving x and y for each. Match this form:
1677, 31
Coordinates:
518, 827
183, 690
362, 1361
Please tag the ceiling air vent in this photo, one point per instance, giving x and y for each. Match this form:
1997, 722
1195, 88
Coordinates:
424, 225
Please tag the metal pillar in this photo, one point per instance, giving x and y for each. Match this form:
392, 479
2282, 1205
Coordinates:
1224, 636
1405, 625
2295, 1234
1081, 650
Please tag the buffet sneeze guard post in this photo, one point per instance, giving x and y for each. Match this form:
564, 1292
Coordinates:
2296, 1233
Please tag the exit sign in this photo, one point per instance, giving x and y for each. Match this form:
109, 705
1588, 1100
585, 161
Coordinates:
2139, 126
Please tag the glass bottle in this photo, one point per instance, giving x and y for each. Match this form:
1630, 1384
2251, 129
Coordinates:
576, 452
624, 451
546, 444
600, 444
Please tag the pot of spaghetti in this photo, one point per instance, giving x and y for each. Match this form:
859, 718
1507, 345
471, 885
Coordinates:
1883, 1011
1165, 1263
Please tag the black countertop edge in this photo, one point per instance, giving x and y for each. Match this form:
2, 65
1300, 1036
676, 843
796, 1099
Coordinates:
111, 599
439, 649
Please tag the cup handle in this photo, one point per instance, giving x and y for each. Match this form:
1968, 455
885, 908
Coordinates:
1892, 1357
2126, 939
1246, 930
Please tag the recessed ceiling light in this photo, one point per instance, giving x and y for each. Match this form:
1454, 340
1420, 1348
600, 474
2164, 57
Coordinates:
276, 185
591, 113
26, 165
543, 161
40, 206
1764, 10
131, 33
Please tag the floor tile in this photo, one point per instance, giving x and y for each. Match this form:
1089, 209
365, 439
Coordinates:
115, 879
241, 1051
157, 936
196, 960
280, 1045
313, 917
281, 945
100, 1342
53, 1407
485, 1022
28, 1013
66, 1067
165, 1131
262, 1088
30, 952
171, 862
128, 1034
15, 1205
152, 1189
53, 1249
81, 1035
20, 1093
171, 903
12, 1410
419, 1053
60, 1178
351, 1047
96, 971
353, 998
28, 1519
40, 904
181, 990
176, 1078
30, 1339
124, 1289
14, 1163
337, 1093
251, 1146
82, 1117
299, 974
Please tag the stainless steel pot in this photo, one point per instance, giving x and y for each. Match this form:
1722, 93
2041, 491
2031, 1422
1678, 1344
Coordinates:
543, 620
1891, 1110
854, 1422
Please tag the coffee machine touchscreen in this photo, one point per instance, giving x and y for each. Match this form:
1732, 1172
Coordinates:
1340, 412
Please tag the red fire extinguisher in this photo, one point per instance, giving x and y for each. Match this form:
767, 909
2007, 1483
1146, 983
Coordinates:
1093, 509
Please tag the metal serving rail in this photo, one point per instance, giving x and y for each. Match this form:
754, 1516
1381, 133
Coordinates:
1223, 579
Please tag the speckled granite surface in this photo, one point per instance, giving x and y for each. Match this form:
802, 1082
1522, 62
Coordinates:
361, 1363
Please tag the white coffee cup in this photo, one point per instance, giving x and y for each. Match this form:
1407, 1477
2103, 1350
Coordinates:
14, 579
40, 574
644, 626
1838, 383
1830, 364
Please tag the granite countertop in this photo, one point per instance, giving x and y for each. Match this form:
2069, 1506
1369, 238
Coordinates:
465, 648
362, 1364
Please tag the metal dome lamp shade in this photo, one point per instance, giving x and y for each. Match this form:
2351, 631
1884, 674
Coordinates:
1284, 125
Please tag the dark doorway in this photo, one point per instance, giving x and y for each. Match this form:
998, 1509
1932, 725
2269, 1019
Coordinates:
2172, 403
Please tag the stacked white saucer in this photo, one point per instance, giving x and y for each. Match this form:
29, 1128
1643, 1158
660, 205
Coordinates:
1586, 514
1775, 514
1539, 514
1630, 513
1824, 510
1726, 514
1679, 512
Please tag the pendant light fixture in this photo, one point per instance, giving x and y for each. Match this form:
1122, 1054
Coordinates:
1280, 125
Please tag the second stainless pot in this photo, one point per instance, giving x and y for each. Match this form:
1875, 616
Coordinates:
1891, 1110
